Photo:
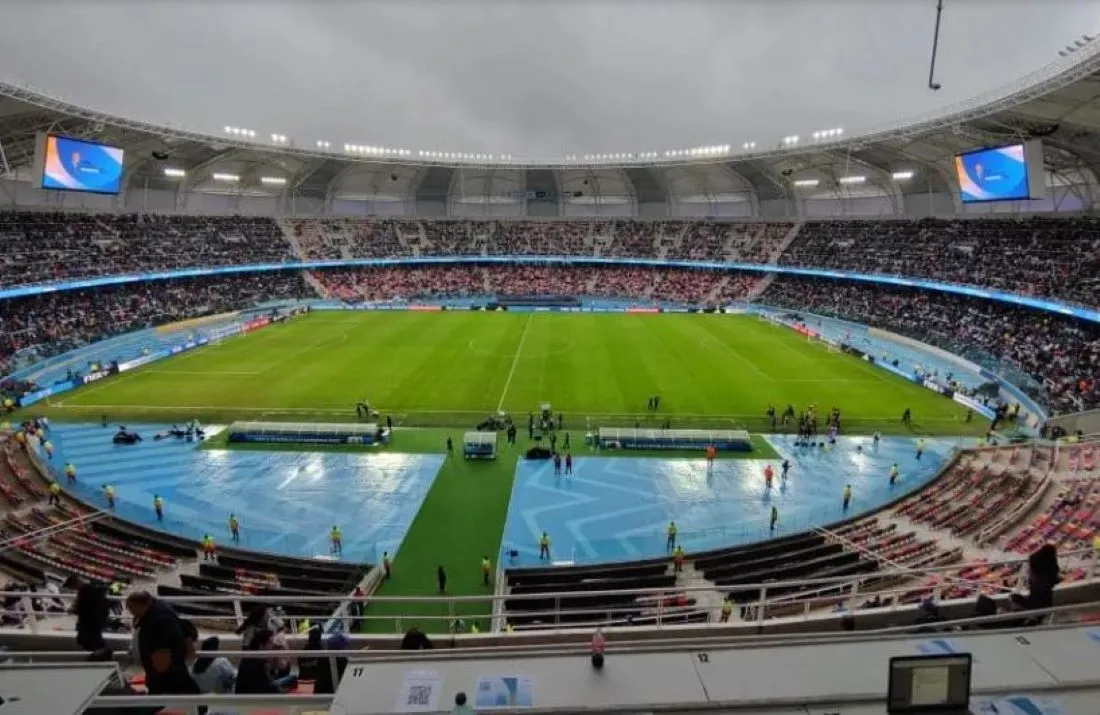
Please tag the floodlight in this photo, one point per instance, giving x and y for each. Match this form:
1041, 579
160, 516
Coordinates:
273, 180
902, 175
174, 173
853, 179
218, 176
808, 183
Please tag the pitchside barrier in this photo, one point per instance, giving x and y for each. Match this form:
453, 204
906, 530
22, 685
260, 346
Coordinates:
725, 440
307, 433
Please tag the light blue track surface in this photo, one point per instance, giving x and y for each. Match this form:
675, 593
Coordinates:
286, 501
618, 508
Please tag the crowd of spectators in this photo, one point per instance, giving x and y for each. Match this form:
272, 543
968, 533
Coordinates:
672, 285
1057, 257
52, 323
45, 246
329, 239
1059, 352
384, 284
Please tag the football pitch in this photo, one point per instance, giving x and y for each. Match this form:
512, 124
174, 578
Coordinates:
451, 369
445, 371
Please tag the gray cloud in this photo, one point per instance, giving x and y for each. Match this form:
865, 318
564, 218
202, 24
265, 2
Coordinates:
528, 78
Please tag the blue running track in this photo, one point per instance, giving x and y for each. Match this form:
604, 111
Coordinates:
286, 501
618, 508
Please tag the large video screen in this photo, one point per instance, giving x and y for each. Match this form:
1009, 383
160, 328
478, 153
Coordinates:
77, 165
993, 174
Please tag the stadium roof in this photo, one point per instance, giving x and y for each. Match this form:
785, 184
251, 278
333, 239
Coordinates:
1059, 103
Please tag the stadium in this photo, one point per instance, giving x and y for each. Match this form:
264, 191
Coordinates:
827, 408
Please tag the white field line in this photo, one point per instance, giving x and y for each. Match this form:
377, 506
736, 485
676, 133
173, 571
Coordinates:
515, 361
404, 411
203, 372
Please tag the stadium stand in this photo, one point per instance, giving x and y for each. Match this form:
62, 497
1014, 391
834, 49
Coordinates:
41, 246
53, 323
672, 285
550, 609
1057, 257
1061, 353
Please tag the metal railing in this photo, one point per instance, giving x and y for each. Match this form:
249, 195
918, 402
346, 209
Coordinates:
901, 587
1041, 620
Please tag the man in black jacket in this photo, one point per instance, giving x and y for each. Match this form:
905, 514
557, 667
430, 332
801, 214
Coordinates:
162, 646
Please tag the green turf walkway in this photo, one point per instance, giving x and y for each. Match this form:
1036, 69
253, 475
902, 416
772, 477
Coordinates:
461, 521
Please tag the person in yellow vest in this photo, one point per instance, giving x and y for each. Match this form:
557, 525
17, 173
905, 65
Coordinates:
48, 446
109, 493
508, 628
5, 426
158, 507
55, 494
208, 548
670, 542
727, 609
474, 628
303, 626
1096, 545
894, 474
544, 546
678, 558
337, 540
9, 404
21, 438
920, 447
234, 528
486, 570
70, 472
847, 497
115, 589
387, 564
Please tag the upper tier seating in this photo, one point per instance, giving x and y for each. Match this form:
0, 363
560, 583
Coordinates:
40, 246
1058, 257
1060, 353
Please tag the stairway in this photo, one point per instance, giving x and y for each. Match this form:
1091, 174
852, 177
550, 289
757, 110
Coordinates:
761, 286
786, 242
290, 236
317, 286
710, 599
719, 287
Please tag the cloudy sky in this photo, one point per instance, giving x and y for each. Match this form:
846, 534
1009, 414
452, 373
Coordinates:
528, 77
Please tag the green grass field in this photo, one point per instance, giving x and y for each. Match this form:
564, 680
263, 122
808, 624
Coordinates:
445, 371
453, 368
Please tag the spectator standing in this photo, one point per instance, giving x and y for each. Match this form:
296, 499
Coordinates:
162, 646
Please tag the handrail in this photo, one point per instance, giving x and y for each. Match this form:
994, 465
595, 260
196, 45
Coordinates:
913, 572
654, 609
1044, 616
565, 594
